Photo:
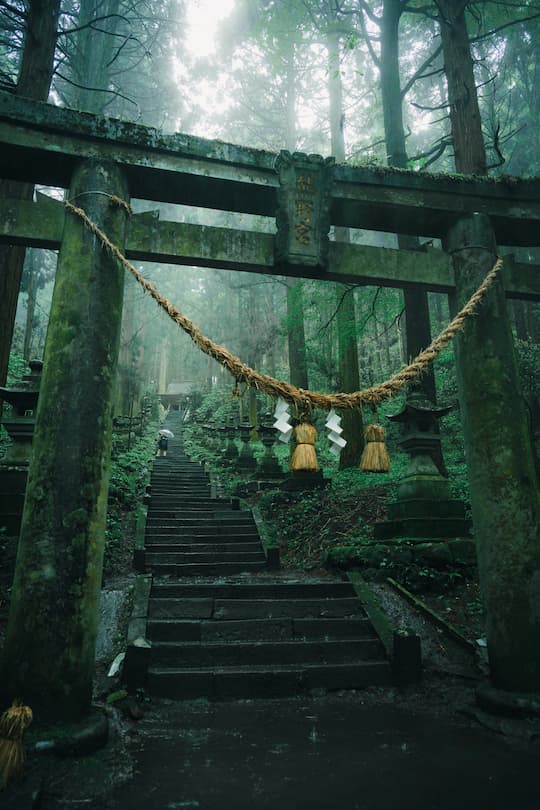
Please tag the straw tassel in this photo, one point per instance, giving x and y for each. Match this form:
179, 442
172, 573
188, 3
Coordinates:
13, 724
375, 457
304, 457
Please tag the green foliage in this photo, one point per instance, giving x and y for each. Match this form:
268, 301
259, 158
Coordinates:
129, 476
17, 368
528, 353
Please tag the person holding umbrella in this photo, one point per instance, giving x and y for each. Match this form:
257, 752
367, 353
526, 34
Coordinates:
163, 442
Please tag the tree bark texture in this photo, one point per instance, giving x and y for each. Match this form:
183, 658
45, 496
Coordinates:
353, 428
469, 150
34, 81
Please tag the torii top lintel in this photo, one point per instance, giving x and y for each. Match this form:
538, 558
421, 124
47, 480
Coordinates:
41, 143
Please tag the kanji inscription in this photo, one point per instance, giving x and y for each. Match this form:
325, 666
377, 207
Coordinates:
302, 218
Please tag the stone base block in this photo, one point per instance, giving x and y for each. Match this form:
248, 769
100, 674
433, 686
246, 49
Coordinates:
429, 527
299, 480
423, 508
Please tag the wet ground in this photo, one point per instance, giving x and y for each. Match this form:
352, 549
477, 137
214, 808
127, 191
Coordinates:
341, 751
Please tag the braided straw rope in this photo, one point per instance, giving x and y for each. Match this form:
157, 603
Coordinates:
304, 400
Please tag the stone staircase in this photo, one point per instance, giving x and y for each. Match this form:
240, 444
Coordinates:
221, 623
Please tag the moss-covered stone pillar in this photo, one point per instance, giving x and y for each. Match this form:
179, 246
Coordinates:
504, 496
48, 656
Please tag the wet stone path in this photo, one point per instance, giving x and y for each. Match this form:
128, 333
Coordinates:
330, 753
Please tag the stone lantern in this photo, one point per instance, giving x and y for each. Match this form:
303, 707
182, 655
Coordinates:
20, 428
231, 450
268, 466
246, 459
423, 506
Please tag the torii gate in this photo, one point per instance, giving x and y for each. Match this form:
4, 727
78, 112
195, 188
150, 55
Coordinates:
49, 650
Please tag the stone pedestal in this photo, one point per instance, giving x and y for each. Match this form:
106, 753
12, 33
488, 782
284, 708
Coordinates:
423, 507
304, 479
268, 466
231, 450
14, 465
246, 460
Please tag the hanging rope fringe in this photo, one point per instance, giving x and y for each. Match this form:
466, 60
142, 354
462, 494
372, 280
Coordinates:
13, 724
304, 400
375, 456
304, 457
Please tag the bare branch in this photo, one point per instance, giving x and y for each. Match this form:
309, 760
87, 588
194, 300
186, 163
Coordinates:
115, 93
22, 15
443, 106
369, 13
417, 74
342, 297
91, 23
367, 39
502, 27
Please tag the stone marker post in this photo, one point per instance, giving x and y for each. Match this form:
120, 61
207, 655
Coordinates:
48, 657
504, 495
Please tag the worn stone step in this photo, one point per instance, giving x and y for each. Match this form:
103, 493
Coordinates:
201, 517
276, 589
180, 479
183, 538
207, 569
229, 609
237, 653
216, 535
229, 683
185, 557
284, 629
204, 514
188, 503
203, 490
194, 536
204, 548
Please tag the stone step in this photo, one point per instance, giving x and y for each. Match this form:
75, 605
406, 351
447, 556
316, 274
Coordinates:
204, 548
230, 609
185, 504
236, 653
285, 629
253, 590
177, 557
175, 537
187, 472
180, 492
246, 682
159, 526
207, 569
180, 477
202, 517
208, 535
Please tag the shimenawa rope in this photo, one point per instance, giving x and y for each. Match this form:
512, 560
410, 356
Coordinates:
304, 400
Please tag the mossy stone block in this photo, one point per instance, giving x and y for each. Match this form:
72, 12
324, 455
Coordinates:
436, 555
463, 551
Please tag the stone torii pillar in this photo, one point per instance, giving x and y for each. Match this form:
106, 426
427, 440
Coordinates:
504, 494
49, 651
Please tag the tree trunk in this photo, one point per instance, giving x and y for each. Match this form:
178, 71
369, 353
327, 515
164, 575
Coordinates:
469, 150
503, 484
353, 429
296, 334
34, 82
417, 320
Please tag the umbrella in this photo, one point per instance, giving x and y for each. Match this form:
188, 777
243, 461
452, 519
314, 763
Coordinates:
168, 433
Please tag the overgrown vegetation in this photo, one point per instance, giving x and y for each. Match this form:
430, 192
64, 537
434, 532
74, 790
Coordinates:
129, 477
16, 370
